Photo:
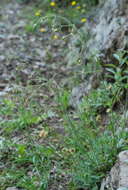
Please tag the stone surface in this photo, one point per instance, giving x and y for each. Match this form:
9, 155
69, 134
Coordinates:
108, 32
104, 34
77, 94
118, 177
11, 188
27, 58
83, 89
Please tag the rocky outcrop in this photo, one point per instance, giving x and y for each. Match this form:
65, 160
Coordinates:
105, 32
111, 30
107, 29
118, 177
11, 188
83, 89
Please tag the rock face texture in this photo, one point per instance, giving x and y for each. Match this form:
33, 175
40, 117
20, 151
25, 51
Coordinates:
108, 29
83, 90
11, 188
111, 30
107, 32
118, 177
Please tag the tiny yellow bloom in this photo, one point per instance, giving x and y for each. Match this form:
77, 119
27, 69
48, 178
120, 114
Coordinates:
55, 37
53, 4
83, 20
42, 30
38, 13
78, 7
73, 3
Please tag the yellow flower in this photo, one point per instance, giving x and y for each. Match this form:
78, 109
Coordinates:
55, 37
42, 30
53, 4
78, 7
38, 13
73, 3
83, 20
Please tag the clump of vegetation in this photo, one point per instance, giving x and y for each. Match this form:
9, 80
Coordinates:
35, 156
95, 145
60, 14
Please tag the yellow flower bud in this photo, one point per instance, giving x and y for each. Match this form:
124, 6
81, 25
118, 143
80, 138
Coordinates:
83, 20
73, 3
55, 37
53, 4
38, 13
78, 7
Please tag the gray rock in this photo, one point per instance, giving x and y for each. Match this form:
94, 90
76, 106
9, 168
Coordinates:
20, 25
83, 89
110, 31
2, 38
78, 93
12, 188
2, 58
2, 86
4, 78
104, 33
125, 116
2, 94
14, 37
118, 177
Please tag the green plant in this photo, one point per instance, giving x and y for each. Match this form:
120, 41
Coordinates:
92, 148
50, 12
95, 147
28, 165
119, 73
20, 117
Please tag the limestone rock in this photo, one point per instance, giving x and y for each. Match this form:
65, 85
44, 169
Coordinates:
118, 177
105, 32
11, 188
83, 89
77, 94
111, 30
2, 58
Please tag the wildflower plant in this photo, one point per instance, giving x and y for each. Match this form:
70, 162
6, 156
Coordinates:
73, 12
